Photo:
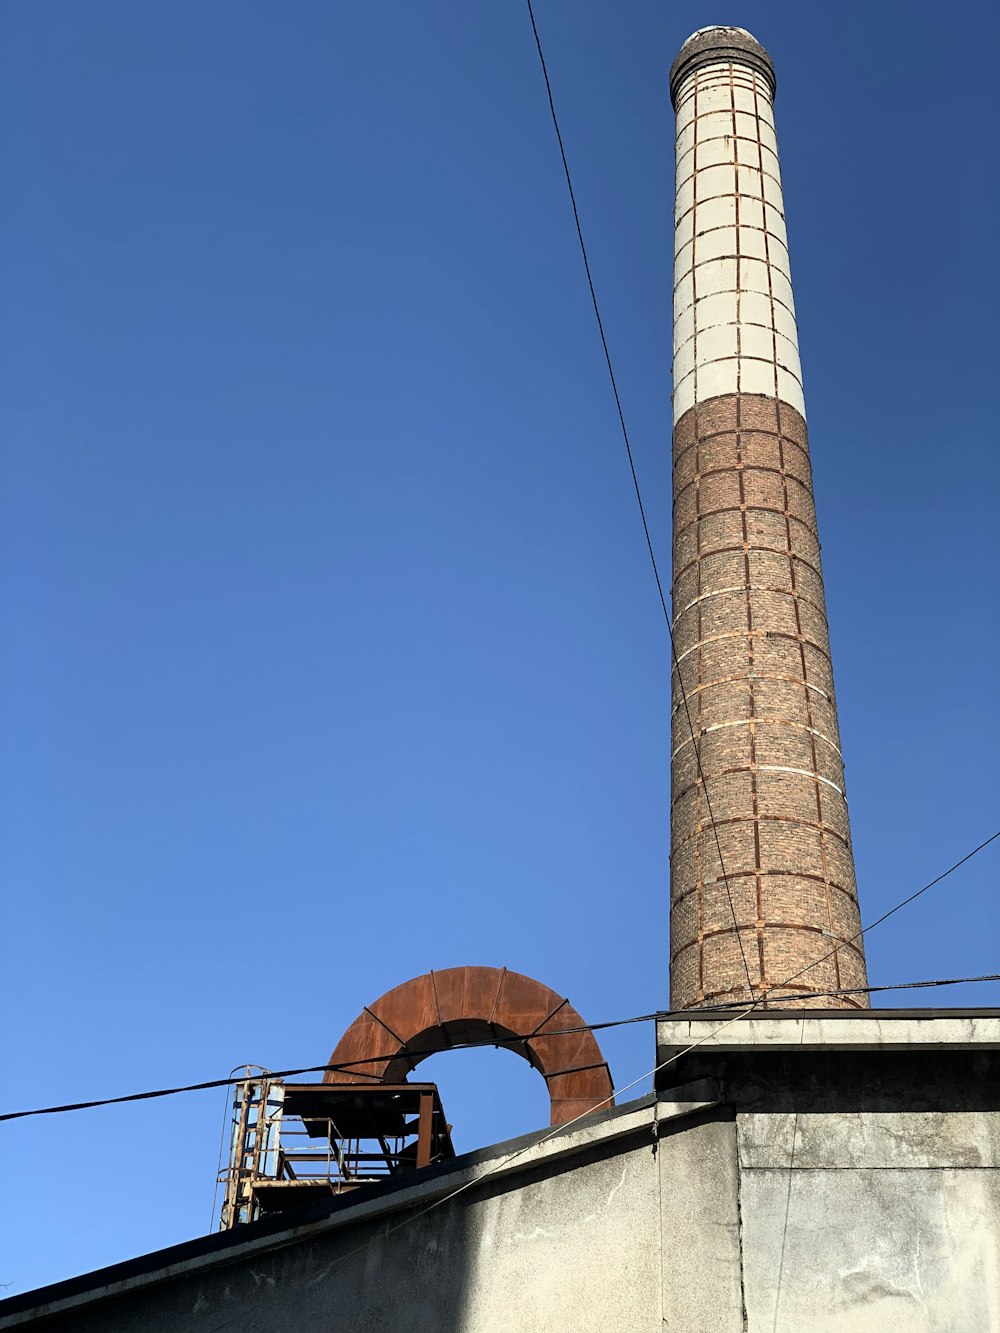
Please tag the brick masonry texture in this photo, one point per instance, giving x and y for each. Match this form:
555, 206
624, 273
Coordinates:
754, 654
765, 784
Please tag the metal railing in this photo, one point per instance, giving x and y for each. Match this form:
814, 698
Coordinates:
286, 1145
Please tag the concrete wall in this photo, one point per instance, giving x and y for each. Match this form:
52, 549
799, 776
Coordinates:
511, 1258
785, 1185
565, 1241
855, 1188
834, 1223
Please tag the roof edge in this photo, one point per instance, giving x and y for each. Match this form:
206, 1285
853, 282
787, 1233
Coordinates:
427, 1186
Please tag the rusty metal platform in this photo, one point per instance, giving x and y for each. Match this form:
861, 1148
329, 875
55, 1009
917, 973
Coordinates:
295, 1142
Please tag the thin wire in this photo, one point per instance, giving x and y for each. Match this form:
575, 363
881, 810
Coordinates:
638, 493
852, 990
788, 1202
346, 1066
559, 1129
506, 1161
892, 910
659, 1015
349, 1065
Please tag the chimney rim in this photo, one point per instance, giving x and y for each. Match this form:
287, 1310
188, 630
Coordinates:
709, 46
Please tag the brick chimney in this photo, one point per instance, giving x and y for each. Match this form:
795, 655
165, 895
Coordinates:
749, 612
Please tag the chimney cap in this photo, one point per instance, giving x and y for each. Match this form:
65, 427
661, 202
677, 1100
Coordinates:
707, 46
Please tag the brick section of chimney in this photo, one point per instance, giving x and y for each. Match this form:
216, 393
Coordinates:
749, 611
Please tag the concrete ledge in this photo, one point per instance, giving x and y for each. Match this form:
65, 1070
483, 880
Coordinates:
825, 1030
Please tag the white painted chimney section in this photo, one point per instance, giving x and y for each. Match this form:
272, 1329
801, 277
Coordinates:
734, 314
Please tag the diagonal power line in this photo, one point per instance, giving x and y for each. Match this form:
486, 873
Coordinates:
353, 1065
892, 911
638, 494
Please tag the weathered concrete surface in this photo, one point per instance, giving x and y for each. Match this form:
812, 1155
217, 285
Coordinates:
877, 1140
700, 1229
581, 1246
862, 1251
573, 1242
867, 1150
778, 1186
561, 1226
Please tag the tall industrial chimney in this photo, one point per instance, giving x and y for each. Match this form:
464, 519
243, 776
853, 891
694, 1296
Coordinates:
749, 613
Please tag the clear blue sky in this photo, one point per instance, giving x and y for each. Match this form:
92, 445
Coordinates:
331, 650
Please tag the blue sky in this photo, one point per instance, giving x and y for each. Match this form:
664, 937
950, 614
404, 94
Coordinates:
331, 649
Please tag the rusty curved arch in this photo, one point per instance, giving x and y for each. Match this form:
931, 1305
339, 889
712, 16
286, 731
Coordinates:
439, 1010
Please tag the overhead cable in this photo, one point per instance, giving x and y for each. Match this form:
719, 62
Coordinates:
638, 493
892, 910
503, 1162
831, 994
352, 1066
